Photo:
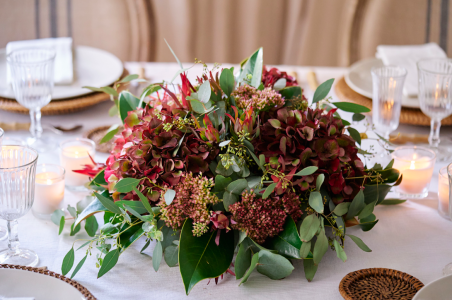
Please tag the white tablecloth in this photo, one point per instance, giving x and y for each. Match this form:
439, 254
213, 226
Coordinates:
410, 237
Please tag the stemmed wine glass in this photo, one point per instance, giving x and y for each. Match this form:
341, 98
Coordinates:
32, 80
435, 96
17, 185
3, 234
387, 93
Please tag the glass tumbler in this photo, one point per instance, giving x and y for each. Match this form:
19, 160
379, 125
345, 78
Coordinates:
443, 193
3, 234
32, 81
435, 96
17, 188
448, 268
387, 82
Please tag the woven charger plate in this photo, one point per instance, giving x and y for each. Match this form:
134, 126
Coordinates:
60, 106
83, 290
379, 284
407, 115
97, 134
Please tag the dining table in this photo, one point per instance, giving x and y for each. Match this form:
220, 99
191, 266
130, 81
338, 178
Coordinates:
410, 237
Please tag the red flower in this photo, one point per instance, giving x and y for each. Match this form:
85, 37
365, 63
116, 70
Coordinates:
270, 77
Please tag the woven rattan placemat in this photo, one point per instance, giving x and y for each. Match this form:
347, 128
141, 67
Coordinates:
407, 115
379, 284
60, 106
83, 290
97, 134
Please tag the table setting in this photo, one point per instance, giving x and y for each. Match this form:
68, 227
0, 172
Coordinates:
224, 181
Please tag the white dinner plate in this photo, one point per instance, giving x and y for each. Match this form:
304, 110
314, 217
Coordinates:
359, 79
93, 67
29, 285
440, 289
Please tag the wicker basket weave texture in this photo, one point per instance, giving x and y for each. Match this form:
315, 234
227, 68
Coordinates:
379, 284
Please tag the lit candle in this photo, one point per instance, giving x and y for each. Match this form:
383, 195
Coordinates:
443, 193
49, 189
416, 165
73, 156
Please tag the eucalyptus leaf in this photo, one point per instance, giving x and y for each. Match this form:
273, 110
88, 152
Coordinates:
339, 251
367, 210
127, 103
146, 245
204, 92
392, 202
242, 261
280, 84
359, 243
111, 132
56, 216
316, 201
269, 190
305, 249
157, 256
68, 262
107, 203
79, 266
229, 199
351, 107
72, 211
355, 135
320, 247
319, 181
169, 196
309, 269
144, 200
356, 205
307, 171
309, 227
341, 208
128, 78
109, 262
253, 265
358, 117
126, 185
322, 90
274, 266
74, 229
227, 81
91, 226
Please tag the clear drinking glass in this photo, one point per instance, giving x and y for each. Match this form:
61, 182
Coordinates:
17, 188
435, 96
32, 81
387, 82
3, 234
448, 268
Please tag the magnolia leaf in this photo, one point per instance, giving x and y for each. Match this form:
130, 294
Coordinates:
322, 90
359, 243
339, 251
309, 269
309, 227
274, 266
109, 262
320, 247
345, 122
280, 84
204, 92
111, 132
269, 190
79, 266
351, 107
227, 81
319, 181
253, 265
341, 209
107, 203
126, 185
307, 171
305, 249
355, 135
316, 201
356, 205
68, 262
287, 242
392, 202
157, 256
169, 196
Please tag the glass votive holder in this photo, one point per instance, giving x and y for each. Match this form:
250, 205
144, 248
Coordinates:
12, 141
2, 133
74, 154
49, 190
443, 193
416, 165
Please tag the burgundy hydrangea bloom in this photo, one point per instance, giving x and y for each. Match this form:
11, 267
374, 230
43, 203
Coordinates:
262, 218
294, 139
148, 150
270, 77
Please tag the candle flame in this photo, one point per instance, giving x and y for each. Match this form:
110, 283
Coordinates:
412, 166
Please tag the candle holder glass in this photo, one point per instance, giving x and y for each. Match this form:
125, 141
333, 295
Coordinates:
435, 97
17, 185
443, 193
49, 190
387, 96
2, 133
448, 268
3, 234
74, 155
416, 165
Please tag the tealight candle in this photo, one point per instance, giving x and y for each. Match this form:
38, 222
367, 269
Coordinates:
49, 189
443, 193
73, 156
416, 165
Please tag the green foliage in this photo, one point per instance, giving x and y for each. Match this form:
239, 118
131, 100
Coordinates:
253, 265
307, 171
322, 90
126, 185
227, 81
339, 251
68, 262
157, 256
354, 134
269, 190
351, 107
253, 67
309, 227
316, 201
356, 205
320, 247
79, 266
127, 103
360, 243
392, 202
273, 266
287, 242
309, 269
109, 262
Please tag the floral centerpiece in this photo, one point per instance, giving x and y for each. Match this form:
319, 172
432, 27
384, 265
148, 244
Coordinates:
230, 164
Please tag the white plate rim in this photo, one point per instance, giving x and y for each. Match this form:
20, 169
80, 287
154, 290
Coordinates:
429, 284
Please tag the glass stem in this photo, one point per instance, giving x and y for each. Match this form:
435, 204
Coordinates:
35, 126
13, 236
433, 139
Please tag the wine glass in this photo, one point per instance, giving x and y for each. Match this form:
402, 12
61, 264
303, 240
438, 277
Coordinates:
387, 94
435, 96
17, 185
32, 80
3, 234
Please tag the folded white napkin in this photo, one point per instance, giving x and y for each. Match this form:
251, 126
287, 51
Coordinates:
64, 71
407, 57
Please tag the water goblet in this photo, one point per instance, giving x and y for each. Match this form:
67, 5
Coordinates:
17, 185
435, 97
32, 81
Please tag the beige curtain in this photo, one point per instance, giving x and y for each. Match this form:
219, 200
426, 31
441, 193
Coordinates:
304, 32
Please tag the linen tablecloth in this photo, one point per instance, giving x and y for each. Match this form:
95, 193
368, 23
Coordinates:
410, 237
